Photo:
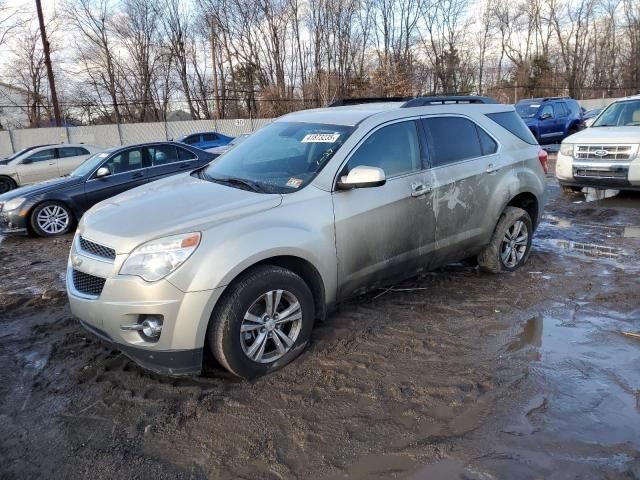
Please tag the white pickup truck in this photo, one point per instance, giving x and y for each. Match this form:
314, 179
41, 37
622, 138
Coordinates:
605, 155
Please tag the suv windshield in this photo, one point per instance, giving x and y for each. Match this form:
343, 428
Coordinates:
280, 158
620, 114
89, 164
527, 110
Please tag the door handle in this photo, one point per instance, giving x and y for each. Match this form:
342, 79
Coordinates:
420, 190
491, 169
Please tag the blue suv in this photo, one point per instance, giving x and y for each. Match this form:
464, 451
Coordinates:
204, 140
551, 119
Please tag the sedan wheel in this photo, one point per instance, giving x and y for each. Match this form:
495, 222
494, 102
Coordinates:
6, 185
51, 219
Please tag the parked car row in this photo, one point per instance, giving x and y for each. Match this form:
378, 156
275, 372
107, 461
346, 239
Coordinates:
551, 119
242, 255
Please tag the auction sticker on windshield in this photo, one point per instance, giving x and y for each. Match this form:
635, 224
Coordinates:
294, 182
320, 138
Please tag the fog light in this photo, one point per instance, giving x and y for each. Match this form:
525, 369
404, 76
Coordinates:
149, 327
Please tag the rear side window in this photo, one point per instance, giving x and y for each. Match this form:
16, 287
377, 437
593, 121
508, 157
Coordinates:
562, 109
192, 140
72, 152
487, 143
512, 122
451, 139
162, 154
573, 106
184, 154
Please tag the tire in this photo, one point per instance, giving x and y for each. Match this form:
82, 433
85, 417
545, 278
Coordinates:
60, 217
6, 184
491, 259
244, 307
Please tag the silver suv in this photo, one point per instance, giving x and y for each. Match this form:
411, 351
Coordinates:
244, 255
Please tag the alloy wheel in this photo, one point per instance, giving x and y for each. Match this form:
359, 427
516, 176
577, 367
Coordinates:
514, 244
53, 219
271, 326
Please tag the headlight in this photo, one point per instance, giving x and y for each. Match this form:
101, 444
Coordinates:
566, 149
156, 259
13, 204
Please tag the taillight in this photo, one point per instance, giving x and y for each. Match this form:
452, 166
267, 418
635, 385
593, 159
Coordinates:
543, 156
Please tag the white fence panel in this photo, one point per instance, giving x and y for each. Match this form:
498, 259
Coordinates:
100, 135
38, 136
142, 132
596, 103
234, 128
5, 144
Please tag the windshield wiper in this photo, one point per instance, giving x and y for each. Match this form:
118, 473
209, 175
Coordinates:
251, 185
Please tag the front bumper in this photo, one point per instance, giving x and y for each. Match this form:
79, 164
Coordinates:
125, 300
12, 223
599, 174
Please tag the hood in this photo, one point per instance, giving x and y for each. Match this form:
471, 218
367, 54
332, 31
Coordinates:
42, 187
606, 135
177, 204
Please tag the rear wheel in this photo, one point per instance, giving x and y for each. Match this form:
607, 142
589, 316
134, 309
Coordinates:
50, 219
510, 244
262, 323
6, 184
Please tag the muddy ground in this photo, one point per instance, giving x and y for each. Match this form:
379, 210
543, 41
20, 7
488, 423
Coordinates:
455, 374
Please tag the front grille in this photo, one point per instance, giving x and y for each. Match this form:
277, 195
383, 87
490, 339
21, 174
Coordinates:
604, 152
97, 249
583, 172
88, 284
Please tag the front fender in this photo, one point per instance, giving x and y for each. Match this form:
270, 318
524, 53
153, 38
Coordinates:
301, 230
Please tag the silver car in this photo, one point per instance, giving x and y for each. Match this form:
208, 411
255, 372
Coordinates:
244, 255
35, 165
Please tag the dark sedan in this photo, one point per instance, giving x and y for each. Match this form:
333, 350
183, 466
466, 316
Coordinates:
51, 208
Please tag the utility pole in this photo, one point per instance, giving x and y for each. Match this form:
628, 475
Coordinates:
47, 61
216, 95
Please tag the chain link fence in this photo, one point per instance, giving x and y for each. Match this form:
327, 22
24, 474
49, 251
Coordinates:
123, 134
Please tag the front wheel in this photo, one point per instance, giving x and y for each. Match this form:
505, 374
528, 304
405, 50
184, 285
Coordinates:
50, 219
262, 323
510, 244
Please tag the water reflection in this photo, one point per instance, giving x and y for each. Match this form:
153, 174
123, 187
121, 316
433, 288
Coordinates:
586, 249
531, 334
594, 194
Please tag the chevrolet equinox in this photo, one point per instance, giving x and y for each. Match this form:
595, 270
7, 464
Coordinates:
242, 256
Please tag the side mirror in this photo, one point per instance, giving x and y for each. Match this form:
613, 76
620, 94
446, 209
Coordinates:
102, 172
545, 116
26, 161
589, 121
362, 177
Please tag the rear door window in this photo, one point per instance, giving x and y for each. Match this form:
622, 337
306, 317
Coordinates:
512, 122
66, 152
488, 144
162, 154
562, 109
192, 140
451, 139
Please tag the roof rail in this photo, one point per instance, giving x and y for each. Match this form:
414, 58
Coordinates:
555, 98
444, 99
358, 101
